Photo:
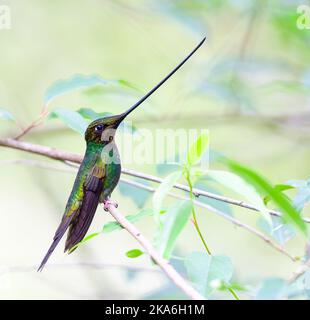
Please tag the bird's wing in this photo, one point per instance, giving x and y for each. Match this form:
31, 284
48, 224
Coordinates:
92, 189
80, 212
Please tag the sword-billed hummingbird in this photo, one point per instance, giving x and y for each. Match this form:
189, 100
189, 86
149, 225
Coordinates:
98, 174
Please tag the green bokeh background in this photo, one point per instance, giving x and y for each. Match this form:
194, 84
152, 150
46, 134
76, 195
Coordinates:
255, 61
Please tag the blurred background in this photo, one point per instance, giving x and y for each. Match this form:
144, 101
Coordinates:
249, 85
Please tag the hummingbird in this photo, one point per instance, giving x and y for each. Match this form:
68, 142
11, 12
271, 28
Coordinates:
97, 176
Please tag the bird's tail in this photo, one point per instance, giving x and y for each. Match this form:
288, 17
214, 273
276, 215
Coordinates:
79, 227
58, 235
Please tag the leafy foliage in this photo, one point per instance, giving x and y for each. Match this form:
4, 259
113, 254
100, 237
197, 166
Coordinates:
207, 271
134, 253
197, 149
272, 288
76, 82
240, 186
162, 191
237, 88
290, 214
71, 118
173, 222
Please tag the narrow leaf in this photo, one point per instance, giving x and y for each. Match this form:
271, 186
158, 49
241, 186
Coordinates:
71, 118
90, 114
74, 83
290, 214
113, 225
197, 149
134, 253
272, 289
162, 191
203, 270
174, 221
88, 237
242, 187
279, 187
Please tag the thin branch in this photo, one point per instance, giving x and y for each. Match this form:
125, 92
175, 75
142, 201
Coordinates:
250, 229
75, 158
171, 273
38, 121
301, 268
235, 221
41, 150
44, 165
38, 164
197, 192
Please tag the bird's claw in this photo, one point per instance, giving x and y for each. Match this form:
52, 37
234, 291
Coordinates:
108, 203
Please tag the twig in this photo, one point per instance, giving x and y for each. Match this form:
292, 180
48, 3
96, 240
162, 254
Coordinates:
221, 214
75, 158
197, 192
250, 229
34, 124
178, 280
38, 164
301, 268
44, 165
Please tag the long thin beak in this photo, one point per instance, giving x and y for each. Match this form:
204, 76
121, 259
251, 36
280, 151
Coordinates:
122, 116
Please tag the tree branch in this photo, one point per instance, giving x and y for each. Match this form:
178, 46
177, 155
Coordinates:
235, 221
166, 267
75, 158
171, 273
44, 165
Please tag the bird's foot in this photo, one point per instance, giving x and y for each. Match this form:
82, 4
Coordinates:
107, 203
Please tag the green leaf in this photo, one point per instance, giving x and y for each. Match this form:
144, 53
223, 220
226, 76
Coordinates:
197, 149
272, 289
280, 188
162, 191
71, 118
113, 225
91, 114
74, 83
6, 115
223, 286
134, 253
290, 214
203, 270
127, 84
174, 221
280, 231
240, 186
90, 236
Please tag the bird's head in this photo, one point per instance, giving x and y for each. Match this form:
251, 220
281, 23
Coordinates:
103, 130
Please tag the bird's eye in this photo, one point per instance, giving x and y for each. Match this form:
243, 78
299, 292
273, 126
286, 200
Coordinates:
99, 127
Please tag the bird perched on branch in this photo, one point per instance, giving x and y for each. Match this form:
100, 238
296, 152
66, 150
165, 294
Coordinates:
98, 175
